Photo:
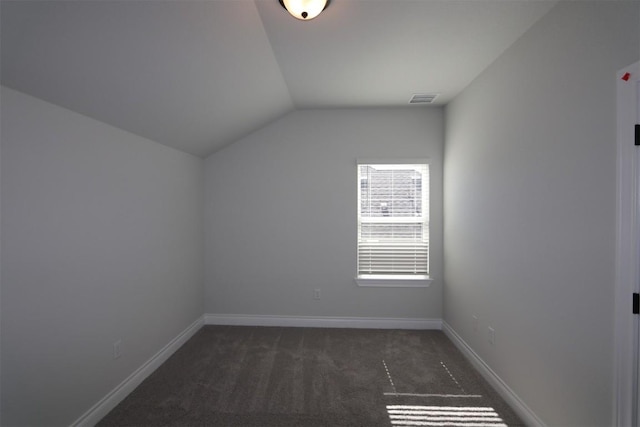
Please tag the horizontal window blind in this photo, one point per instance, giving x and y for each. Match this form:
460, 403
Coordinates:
393, 219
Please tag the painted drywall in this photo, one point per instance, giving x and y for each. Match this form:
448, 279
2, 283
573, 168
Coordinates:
530, 210
281, 215
102, 240
1, 394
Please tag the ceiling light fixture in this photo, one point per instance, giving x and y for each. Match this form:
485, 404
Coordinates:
304, 9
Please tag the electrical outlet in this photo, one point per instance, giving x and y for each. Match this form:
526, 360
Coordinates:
492, 336
316, 294
117, 349
475, 323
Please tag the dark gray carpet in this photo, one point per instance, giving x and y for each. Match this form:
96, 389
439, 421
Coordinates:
263, 376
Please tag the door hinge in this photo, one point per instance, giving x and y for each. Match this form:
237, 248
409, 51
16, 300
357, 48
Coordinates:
637, 134
636, 303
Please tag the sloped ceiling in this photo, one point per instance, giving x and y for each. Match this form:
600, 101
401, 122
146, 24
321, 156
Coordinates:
197, 75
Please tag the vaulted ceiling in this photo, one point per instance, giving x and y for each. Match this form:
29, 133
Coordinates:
197, 75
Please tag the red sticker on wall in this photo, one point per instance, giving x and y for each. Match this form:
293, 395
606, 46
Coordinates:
626, 77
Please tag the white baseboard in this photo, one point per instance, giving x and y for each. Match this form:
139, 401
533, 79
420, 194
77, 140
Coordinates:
523, 411
111, 400
321, 322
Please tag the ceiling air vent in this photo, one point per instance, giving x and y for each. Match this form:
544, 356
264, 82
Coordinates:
423, 98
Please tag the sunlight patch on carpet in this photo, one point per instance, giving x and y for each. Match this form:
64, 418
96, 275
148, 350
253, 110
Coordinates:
454, 416
476, 396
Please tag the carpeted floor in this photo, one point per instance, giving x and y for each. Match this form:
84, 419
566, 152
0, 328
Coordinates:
267, 376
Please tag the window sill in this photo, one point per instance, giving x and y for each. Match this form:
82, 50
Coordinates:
390, 281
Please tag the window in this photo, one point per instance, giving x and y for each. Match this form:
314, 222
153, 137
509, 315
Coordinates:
393, 223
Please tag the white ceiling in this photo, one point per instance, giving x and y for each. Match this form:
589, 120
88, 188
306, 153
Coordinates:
199, 74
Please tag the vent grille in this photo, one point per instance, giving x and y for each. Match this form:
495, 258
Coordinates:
423, 98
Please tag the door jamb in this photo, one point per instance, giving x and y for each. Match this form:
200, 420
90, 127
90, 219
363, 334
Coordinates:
627, 254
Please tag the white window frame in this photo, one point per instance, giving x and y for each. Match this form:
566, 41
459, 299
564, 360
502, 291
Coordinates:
391, 280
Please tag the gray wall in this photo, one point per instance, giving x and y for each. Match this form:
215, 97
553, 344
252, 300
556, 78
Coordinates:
530, 209
101, 240
281, 215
